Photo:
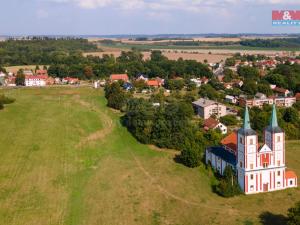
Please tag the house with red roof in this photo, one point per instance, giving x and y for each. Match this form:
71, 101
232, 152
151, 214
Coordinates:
156, 83
213, 124
41, 73
119, 77
281, 91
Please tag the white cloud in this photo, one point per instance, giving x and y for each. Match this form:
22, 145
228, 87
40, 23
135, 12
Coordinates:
168, 5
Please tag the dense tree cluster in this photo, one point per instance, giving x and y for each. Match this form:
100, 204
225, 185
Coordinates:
41, 51
65, 58
116, 96
273, 43
228, 185
167, 125
294, 215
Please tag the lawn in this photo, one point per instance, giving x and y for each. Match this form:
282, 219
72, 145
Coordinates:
66, 159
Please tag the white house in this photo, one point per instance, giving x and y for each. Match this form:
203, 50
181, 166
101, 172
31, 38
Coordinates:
211, 123
198, 82
231, 99
31, 80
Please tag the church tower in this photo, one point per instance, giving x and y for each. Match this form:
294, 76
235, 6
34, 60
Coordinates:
247, 143
274, 160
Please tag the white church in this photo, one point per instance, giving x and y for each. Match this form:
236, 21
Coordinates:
259, 168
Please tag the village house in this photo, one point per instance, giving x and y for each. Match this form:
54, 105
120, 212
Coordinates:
281, 91
70, 80
28, 73
10, 81
2, 74
213, 124
205, 108
119, 77
142, 77
127, 86
259, 168
41, 73
197, 81
260, 100
31, 80
231, 99
50, 80
155, 83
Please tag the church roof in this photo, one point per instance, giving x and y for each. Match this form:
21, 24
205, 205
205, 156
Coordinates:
230, 141
246, 128
273, 126
290, 174
223, 154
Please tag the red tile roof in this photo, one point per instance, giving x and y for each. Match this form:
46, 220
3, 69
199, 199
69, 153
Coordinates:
210, 123
280, 90
41, 72
290, 175
34, 77
230, 141
115, 77
153, 83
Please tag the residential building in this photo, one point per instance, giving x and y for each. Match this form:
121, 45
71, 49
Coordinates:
197, 81
70, 80
117, 77
41, 72
231, 99
259, 168
281, 91
142, 77
157, 82
31, 80
212, 123
127, 86
28, 73
205, 108
260, 99
2, 74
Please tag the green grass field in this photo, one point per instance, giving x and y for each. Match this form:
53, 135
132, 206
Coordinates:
65, 159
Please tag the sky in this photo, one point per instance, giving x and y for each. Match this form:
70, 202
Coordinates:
108, 17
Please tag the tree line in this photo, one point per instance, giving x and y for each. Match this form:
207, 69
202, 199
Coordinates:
168, 124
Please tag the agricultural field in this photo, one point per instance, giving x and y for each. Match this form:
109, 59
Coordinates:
15, 69
66, 159
173, 55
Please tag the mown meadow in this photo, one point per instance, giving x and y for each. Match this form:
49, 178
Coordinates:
66, 159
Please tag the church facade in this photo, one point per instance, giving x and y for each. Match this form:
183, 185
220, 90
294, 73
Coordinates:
259, 168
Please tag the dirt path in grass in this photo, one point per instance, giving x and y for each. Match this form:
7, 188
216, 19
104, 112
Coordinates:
100, 134
167, 193
160, 188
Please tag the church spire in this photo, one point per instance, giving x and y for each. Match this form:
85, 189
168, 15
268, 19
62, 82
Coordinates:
273, 121
246, 124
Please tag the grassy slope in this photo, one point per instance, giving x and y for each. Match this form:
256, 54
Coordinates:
47, 178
